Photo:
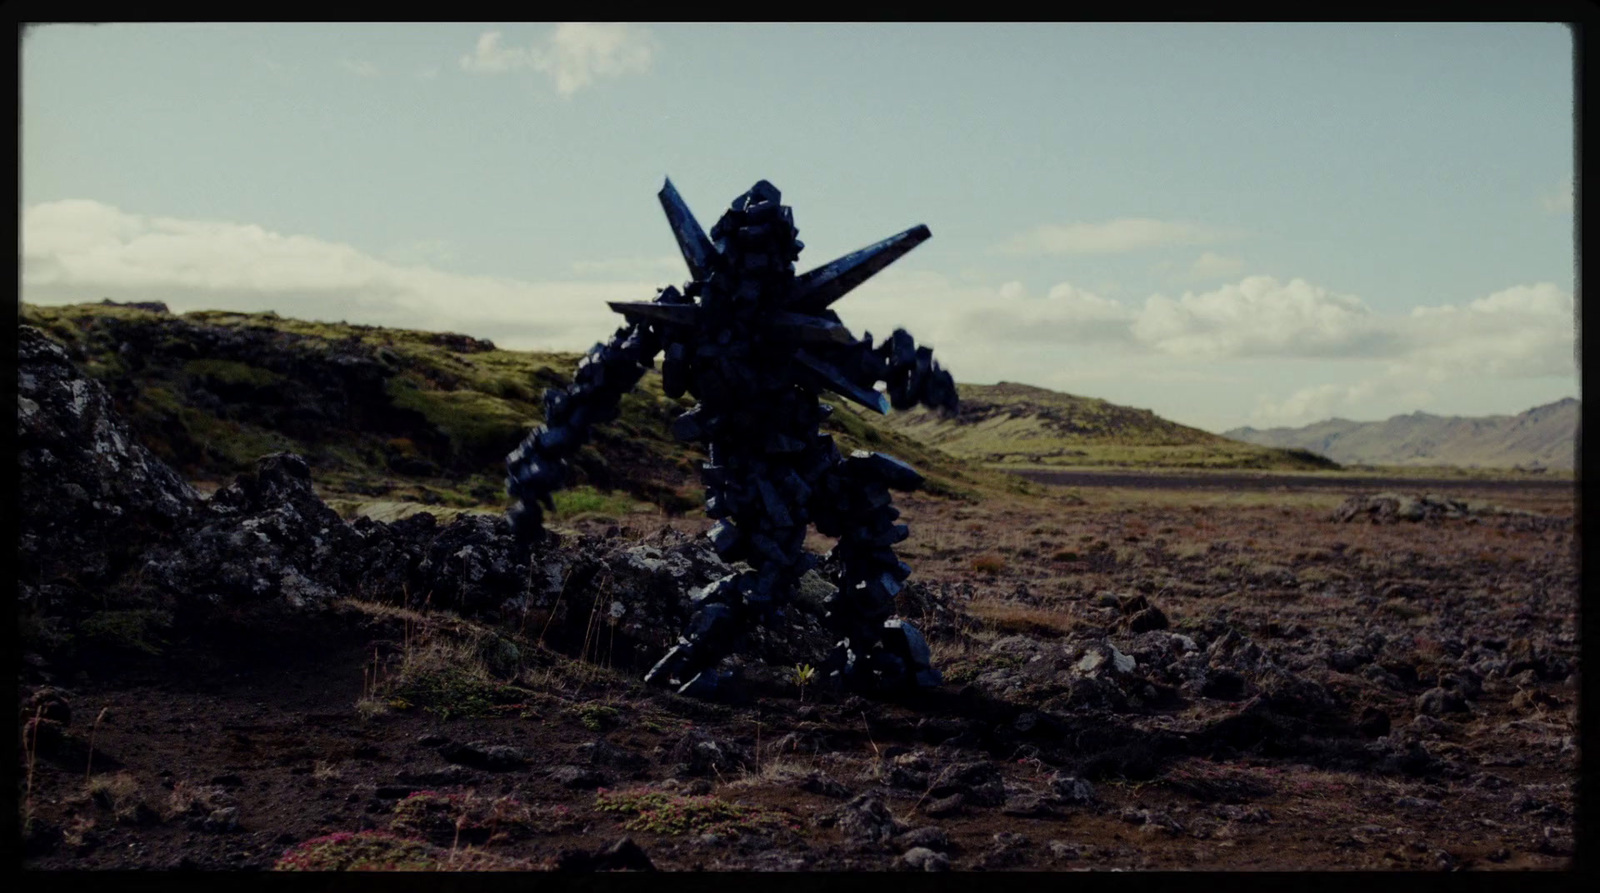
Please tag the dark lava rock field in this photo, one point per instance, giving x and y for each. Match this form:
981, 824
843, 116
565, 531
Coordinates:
1136, 677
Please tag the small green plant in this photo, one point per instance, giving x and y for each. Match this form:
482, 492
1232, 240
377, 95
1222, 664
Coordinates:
597, 717
803, 673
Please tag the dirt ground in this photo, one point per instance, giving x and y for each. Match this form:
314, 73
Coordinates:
1447, 652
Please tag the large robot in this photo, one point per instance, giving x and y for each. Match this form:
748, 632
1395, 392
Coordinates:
755, 345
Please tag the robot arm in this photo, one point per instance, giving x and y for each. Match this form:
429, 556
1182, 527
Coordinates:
851, 370
538, 466
913, 376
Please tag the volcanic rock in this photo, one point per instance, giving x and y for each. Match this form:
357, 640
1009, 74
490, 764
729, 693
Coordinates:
90, 498
924, 859
867, 820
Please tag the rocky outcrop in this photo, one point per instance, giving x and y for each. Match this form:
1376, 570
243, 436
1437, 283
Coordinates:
640, 593
1391, 508
108, 529
263, 540
90, 499
106, 525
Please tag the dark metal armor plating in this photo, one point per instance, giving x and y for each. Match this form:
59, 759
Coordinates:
756, 345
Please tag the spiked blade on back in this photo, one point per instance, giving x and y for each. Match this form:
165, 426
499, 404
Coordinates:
673, 314
811, 329
692, 241
840, 383
814, 291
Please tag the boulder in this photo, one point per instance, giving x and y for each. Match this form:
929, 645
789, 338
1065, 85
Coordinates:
90, 499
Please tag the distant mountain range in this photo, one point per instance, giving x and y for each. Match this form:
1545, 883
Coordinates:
1545, 436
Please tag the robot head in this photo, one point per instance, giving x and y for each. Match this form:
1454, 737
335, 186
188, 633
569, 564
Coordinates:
756, 238
748, 260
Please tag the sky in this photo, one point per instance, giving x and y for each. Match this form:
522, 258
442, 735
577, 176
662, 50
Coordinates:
1229, 224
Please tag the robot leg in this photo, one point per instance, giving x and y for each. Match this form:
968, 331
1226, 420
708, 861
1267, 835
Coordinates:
706, 639
906, 643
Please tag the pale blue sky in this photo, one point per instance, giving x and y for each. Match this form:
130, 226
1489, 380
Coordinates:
1228, 224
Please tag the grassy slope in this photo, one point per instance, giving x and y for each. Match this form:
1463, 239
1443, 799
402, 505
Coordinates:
1019, 425
432, 427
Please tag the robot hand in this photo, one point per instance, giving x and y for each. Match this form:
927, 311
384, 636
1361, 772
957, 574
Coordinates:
914, 377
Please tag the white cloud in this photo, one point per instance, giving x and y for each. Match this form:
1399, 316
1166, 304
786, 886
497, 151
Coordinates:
575, 54
85, 250
1112, 237
1064, 315
428, 74
1210, 265
967, 317
1558, 201
421, 251
1065, 337
1319, 403
665, 267
1261, 317
489, 57
1525, 331
360, 67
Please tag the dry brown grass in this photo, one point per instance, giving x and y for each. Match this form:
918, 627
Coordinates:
990, 564
323, 772
30, 742
119, 793
188, 798
772, 771
1013, 619
76, 832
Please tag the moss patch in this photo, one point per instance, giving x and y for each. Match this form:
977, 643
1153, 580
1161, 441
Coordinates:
476, 423
464, 818
597, 717
403, 415
661, 813
136, 630
362, 851
231, 372
587, 502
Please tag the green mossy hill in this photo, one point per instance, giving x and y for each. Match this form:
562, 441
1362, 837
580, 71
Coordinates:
391, 416
1010, 424
381, 414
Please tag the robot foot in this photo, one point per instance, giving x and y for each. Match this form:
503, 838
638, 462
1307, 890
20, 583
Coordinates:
706, 685
906, 643
667, 671
902, 662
